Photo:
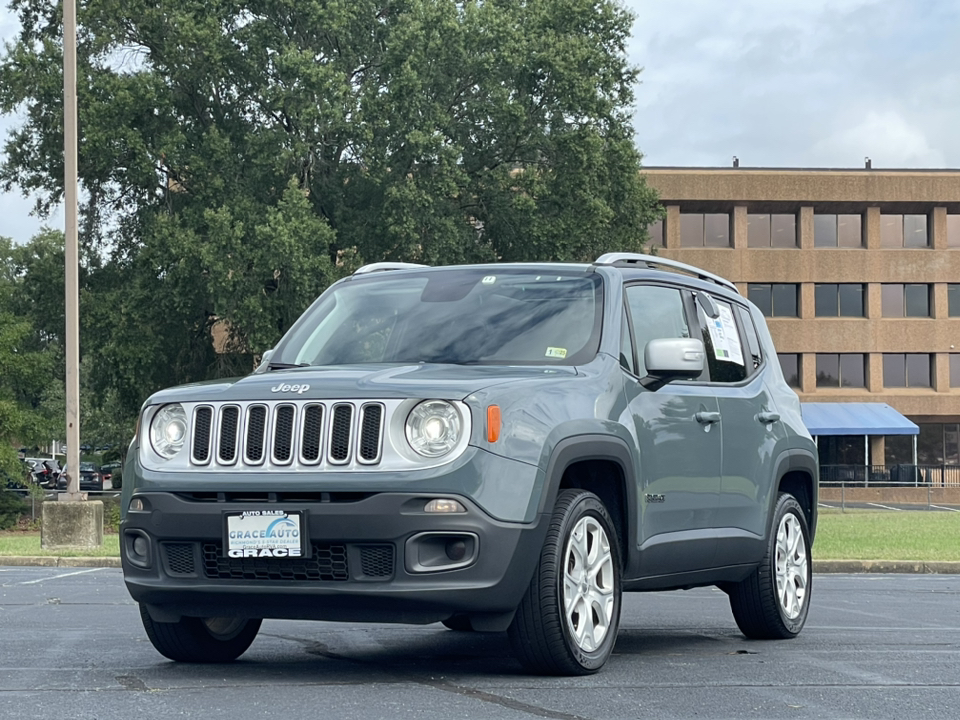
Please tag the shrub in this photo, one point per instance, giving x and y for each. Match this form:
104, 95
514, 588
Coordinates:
12, 507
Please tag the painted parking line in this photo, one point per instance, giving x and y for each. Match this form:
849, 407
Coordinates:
57, 577
885, 507
825, 505
941, 507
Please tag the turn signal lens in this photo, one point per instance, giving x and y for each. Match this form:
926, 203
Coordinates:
136, 504
493, 423
444, 505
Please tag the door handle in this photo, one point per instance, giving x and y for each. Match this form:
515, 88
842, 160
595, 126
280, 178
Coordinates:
768, 416
707, 418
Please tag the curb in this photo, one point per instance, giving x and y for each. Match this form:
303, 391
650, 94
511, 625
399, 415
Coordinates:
917, 567
56, 561
820, 567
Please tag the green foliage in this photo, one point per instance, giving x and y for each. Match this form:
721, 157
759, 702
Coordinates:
12, 507
238, 157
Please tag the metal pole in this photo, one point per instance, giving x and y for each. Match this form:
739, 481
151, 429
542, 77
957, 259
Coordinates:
72, 255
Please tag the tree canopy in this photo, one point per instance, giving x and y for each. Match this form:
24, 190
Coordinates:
236, 157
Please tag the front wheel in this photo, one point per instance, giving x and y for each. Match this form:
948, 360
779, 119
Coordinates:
201, 640
568, 619
773, 602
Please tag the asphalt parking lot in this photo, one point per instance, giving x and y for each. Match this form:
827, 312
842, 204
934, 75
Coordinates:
875, 646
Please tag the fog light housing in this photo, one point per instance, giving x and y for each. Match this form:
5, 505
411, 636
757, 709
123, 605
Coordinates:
440, 551
137, 549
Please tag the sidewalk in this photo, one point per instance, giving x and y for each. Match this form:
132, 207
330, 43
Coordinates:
917, 567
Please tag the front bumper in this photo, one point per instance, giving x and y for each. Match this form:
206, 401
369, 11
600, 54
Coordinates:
370, 559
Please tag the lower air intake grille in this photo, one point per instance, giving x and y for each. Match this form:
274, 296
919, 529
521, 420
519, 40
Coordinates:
179, 558
327, 563
376, 560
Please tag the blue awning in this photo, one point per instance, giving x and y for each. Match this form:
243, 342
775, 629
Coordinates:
846, 418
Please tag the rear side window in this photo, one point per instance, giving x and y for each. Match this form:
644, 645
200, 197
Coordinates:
726, 354
750, 332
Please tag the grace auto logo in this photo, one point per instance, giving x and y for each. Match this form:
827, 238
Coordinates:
280, 531
298, 389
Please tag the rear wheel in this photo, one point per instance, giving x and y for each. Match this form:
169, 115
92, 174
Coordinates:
201, 640
568, 619
773, 602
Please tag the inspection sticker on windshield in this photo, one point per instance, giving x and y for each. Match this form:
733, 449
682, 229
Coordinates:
553, 352
489, 280
264, 533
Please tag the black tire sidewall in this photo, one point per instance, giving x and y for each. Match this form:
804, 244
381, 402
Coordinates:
589, 505
788, 505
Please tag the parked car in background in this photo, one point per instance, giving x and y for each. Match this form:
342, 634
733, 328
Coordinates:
90, 478
44, 471
111, 474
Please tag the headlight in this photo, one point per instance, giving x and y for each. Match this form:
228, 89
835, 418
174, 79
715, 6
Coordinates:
433, 428
168, 430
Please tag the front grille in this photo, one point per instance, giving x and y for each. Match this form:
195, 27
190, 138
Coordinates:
288, 433
340, 433
376, 560
179, 558
229, 428
202, 424
327, 563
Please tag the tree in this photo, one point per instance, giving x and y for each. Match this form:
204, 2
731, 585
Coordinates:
239, 156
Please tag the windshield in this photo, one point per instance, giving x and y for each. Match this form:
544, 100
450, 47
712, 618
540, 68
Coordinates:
470, 316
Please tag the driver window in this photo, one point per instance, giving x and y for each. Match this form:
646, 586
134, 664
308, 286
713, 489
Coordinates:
655, 312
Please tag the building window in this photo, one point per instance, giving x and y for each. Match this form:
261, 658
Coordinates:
953, 230
953, 300
955, 370
841, 370
774, 299
838, 300
910, 300
705, 229
908, 231
776, 230
837, 230
906, 370
655, 231
790, 366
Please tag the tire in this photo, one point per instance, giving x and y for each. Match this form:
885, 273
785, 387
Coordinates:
201, 640
550, 633
772, 603
460, 623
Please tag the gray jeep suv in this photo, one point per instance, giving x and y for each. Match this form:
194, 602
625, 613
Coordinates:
493, 447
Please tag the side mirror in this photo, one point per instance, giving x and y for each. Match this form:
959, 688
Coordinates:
668, 359
264, 361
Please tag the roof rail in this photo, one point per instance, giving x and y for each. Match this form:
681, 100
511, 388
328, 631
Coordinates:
381, 266
653, 261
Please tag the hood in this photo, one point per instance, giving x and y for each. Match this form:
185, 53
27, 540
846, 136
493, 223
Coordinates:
359, 382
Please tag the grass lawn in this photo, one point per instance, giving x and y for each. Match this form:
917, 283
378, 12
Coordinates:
28, 543
854, 535
868, 535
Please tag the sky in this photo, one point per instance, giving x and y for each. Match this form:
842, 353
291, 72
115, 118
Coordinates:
777, 83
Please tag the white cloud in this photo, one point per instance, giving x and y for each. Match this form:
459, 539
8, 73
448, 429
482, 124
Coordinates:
884, 136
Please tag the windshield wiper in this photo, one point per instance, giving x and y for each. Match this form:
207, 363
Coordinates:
285, 366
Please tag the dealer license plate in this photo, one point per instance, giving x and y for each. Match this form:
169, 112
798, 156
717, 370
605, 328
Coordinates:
264, 533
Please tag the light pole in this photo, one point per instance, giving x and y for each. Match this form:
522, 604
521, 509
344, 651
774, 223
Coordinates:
70, 523
72, 255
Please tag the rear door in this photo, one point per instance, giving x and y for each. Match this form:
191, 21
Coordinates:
749, 428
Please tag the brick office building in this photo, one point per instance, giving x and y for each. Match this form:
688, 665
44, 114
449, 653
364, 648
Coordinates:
858, 272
